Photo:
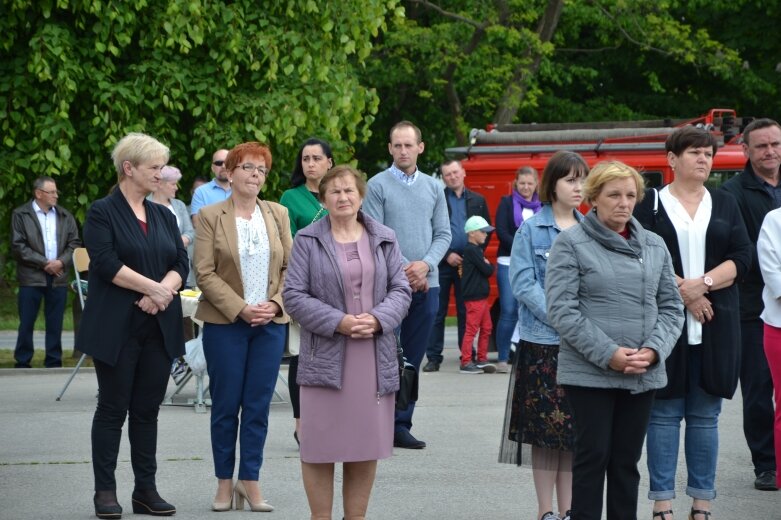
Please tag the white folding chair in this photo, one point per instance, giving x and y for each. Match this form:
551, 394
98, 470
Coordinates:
80, 265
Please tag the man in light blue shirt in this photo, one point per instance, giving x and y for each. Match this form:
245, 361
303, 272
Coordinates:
413, 205
216, 190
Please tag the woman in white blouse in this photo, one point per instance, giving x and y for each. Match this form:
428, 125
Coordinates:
769, 253
241, 252
710, 249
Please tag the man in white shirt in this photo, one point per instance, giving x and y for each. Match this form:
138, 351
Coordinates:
43, 237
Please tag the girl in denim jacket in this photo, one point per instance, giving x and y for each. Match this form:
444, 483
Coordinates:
539, 415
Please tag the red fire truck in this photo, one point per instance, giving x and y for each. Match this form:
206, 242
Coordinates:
494, 154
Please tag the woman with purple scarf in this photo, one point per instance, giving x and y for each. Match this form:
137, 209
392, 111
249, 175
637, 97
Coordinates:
513, 209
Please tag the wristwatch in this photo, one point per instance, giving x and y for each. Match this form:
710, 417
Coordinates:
708, 281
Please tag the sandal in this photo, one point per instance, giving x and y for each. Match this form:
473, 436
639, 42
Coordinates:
663, 514
694, 512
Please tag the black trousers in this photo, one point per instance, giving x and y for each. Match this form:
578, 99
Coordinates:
133, 388
610, 427
756, 387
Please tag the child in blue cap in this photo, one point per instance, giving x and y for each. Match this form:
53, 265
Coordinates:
476, 270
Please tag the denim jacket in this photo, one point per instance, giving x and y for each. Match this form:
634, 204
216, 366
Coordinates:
531, 245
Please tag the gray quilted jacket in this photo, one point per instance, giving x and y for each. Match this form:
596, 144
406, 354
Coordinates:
314, 296
604, 291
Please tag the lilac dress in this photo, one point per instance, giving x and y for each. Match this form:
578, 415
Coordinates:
351, 424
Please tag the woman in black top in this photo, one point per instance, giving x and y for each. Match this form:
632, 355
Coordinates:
132, 322
710, 250
522, 203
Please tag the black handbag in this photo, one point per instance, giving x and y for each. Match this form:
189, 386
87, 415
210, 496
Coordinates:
408, 380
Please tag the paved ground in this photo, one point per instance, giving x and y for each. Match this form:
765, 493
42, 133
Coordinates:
45, 470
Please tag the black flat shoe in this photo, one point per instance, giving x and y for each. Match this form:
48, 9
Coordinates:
148, 502
766, 481
106, 505
404, 439
663, 514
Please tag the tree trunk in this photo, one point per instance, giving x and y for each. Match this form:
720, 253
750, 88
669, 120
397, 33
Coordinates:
516, 89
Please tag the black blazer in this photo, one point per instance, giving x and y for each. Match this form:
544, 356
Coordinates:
114, 238
725, 239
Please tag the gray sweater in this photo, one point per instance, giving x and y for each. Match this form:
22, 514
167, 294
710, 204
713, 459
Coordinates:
418, 215
604, 292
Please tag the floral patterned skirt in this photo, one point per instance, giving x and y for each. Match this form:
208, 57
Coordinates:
540, 413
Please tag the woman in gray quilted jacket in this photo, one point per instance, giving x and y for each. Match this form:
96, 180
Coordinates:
613, 299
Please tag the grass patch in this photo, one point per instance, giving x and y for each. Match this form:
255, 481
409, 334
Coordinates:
9, 314
7, 358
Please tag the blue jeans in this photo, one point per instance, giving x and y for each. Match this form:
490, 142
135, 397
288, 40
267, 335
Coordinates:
243, 364
508, 315
29, 303
415, 332
448, 277
701, 412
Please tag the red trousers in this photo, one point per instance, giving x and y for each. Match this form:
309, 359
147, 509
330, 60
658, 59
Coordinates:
478, 320
773, 353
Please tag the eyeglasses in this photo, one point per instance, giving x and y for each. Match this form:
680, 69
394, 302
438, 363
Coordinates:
218, 163
250, 168
51, 192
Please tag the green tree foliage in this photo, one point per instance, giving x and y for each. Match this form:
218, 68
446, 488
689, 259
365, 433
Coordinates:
451, 65
75, 76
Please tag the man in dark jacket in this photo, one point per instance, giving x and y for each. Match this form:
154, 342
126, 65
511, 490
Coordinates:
43, 237
462, 203
757, 191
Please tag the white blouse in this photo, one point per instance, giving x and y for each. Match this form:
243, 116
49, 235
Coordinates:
769, 254
254, 256
691, 242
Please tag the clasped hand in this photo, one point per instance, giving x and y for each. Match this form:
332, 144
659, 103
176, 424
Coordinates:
693, 293
54, 268
358, 326
416, 275
259, 313
631, 360
157, 300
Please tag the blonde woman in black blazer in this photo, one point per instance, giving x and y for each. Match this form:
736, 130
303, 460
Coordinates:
132, 322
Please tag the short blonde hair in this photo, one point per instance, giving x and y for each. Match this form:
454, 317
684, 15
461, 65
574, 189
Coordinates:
607, 171
137, 148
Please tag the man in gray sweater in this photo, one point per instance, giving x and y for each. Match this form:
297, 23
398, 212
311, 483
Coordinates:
413, 205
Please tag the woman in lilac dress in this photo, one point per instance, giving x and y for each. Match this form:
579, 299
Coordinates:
346, 287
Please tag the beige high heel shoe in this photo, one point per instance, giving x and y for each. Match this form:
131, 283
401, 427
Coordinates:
223, 506
240, 495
